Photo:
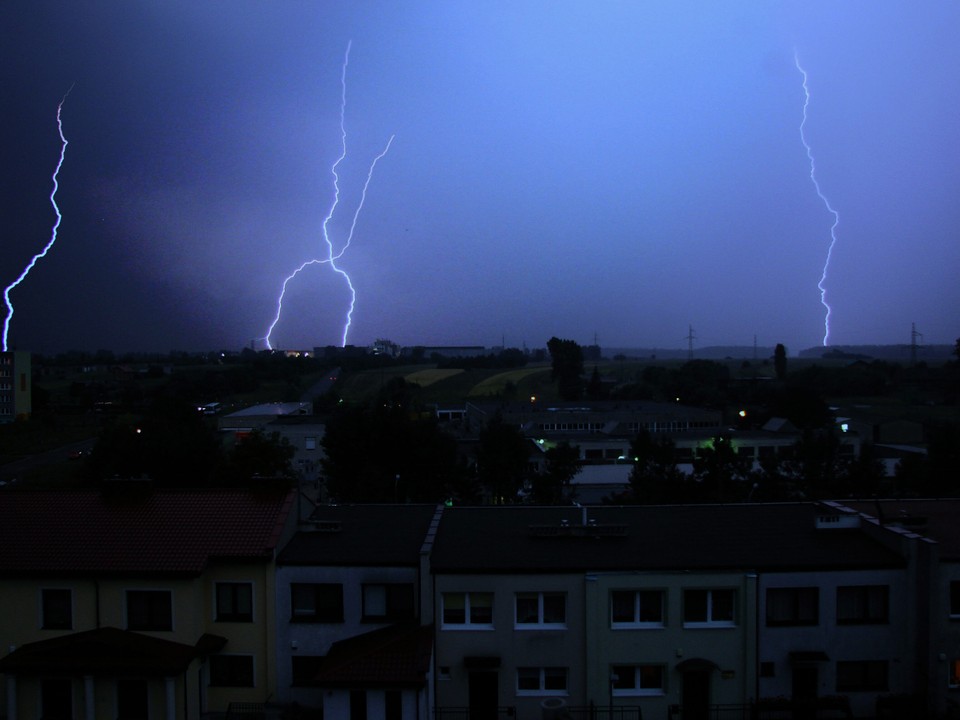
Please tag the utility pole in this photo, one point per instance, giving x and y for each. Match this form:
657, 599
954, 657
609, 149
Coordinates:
690, 338
914, 345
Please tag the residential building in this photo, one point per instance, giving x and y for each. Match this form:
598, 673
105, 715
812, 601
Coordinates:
353, 620
138, 603
15, 382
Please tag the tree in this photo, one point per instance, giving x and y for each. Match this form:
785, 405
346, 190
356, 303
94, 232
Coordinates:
258, 455
780, 362
721, 471
566, 358
388, 451
503, 460
551, 487
655, 477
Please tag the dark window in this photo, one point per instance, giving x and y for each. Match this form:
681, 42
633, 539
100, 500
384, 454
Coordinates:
305, 669
316, 602
234, 602
541, 608
388, 602
57, 609
767, 670
793, 606
636, 607
149, 610
231, 670
955, 598
474, 608
861, 675
863, 604
708, 606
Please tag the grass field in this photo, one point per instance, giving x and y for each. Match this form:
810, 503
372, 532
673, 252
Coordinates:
423, 378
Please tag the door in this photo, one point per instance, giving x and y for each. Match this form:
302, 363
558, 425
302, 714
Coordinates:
483, 694
133, 701
696, 695
805, 680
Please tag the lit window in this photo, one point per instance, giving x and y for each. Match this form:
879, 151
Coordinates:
468, 610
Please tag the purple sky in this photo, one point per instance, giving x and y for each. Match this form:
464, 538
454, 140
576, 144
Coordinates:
624, 169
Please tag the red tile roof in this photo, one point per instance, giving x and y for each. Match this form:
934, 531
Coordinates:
167, 531
391, 657
104, 650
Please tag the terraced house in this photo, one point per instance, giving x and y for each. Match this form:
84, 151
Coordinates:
137, 604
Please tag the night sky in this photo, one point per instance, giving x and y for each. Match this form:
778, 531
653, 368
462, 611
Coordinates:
618, 170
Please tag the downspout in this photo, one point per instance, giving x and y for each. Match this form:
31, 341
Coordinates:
96, 596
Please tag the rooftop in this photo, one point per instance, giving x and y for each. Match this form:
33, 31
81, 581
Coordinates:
172, 532
768, 537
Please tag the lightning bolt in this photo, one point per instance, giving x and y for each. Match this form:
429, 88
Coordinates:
836, 216
332, 256
53, 234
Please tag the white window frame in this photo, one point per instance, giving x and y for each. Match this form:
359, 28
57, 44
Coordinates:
637, 690
636, 623
216, 600
466, 624
540, 624
542, 689
126, 609
710, 622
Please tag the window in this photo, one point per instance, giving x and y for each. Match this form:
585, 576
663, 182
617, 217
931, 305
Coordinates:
468, 609
793, 606
304, 669
955, 599
57, 609
636, 608
388, 602
541, 680
149, 610
537, 610
316, 602
234, 602
310, 443
862, 604
954, 678
637, 680
861, 675
768, 669
708, 608
231, 670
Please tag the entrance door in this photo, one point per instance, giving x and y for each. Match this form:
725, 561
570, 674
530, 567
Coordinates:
805, 681
696, 695
483, 694
133, 701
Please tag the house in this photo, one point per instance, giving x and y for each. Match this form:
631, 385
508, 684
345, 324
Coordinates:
662, 609
353, 618
135, 602
928, 532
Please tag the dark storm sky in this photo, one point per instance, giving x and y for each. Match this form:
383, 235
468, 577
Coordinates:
624, 169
